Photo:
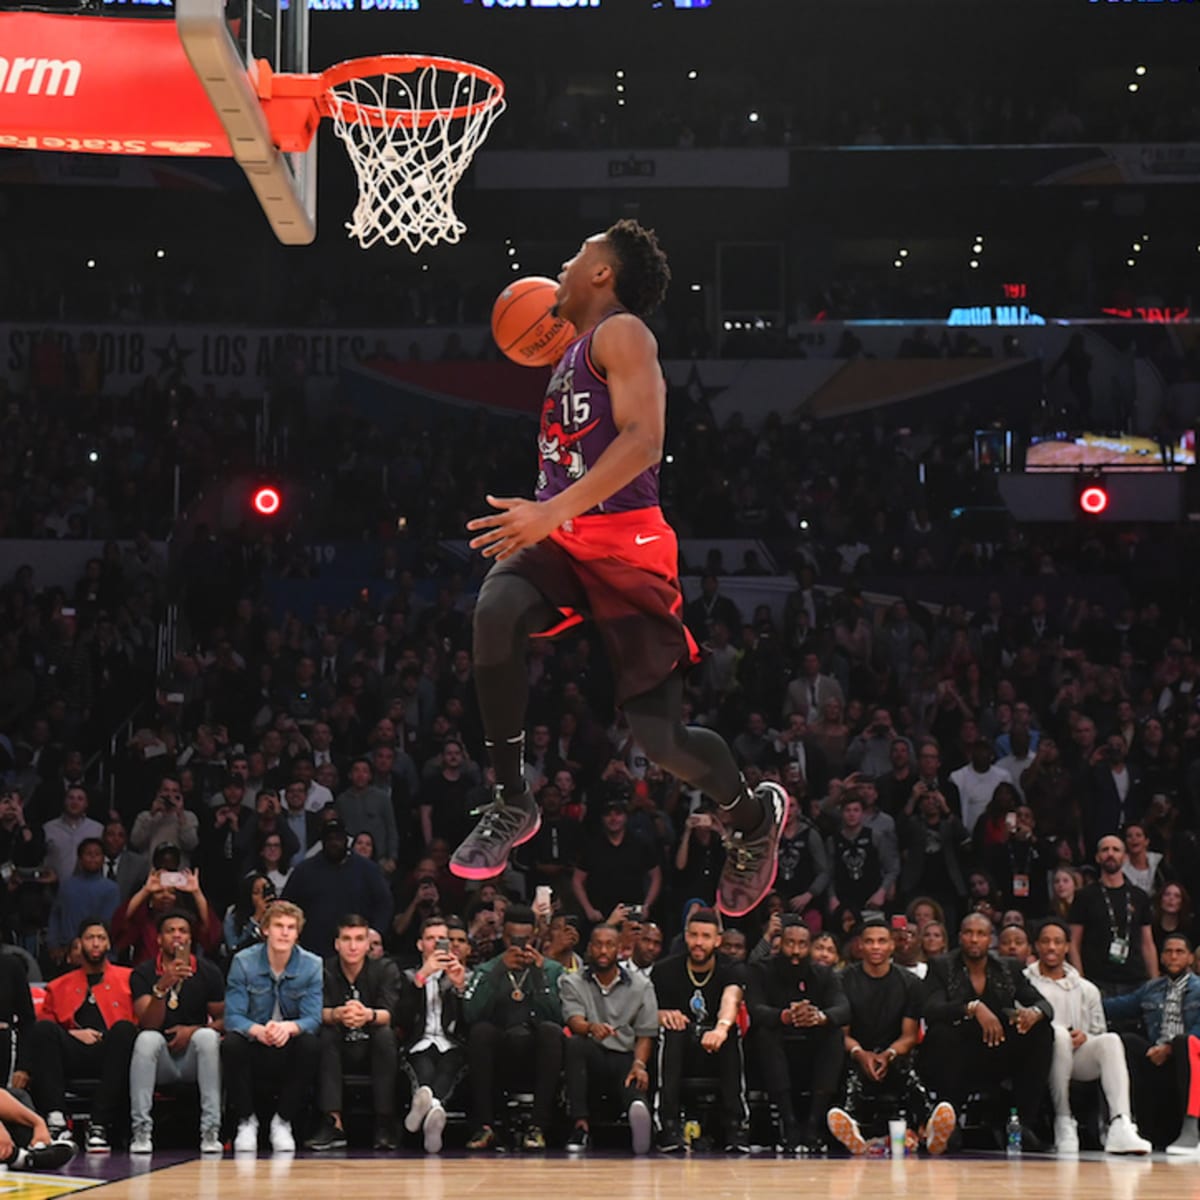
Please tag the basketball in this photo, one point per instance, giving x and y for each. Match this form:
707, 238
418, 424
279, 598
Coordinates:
524, 326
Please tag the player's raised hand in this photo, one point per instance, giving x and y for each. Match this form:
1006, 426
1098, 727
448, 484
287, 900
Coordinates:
517, 524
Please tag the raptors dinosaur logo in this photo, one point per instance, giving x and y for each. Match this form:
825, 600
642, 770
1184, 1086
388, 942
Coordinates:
556, 445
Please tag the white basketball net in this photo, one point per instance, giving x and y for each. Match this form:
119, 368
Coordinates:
408, 165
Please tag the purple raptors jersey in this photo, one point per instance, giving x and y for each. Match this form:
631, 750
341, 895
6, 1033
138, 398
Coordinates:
577, 427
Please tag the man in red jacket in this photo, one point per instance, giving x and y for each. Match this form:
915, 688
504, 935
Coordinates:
86, 1030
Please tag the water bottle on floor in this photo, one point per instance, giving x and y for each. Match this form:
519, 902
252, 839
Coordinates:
1012, 1141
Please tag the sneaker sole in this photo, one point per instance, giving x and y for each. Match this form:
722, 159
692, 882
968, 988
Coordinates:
641, 1128
1131, 1150
843, 1127
50, 1158
780, 810
435, 1123
419, 1111
942, 1123
464, 871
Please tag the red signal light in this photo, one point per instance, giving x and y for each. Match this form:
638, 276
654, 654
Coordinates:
267, 501
1093, 500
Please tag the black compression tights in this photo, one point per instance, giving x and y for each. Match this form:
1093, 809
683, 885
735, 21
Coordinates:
508, 611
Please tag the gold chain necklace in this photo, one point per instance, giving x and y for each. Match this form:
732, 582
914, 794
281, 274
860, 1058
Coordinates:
699, 983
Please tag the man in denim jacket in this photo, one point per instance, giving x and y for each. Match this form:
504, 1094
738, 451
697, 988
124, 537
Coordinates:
272, 1015
1164, 1064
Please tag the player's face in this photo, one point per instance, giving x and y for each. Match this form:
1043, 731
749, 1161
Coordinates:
576, 274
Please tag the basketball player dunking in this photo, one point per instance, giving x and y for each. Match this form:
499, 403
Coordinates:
594, 542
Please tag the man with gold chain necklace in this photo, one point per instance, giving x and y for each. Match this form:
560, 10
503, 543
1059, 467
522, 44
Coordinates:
514, 1013
699, 994
179, 1002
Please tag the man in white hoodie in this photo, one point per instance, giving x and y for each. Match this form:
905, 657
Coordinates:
1083, 1047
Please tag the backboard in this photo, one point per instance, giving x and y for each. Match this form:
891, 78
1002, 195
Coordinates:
224, 45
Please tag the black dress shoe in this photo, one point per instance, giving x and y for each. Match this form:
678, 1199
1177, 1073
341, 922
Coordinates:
327, 1137
670, 1137
737, 1138
385, 1138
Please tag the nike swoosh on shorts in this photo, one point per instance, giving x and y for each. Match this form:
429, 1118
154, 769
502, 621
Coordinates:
642, 541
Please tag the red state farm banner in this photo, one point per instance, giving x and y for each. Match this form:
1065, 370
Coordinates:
101, 85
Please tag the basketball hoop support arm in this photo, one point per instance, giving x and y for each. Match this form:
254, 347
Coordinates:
285, 184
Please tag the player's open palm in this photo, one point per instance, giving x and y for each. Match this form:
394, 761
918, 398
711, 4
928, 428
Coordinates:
517, 524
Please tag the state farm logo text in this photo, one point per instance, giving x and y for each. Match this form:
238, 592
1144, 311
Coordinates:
164, 147
39, 76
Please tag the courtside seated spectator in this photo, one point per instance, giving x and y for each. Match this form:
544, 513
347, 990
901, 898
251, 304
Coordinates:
515, 1037
16, 1021
797, 1010
86, 1030
972, 1040
359, 1008
884, 1002
430, 1016
272, 1016
1164, 1055
699, 994
1083, 1047
612, 1015
179, 1002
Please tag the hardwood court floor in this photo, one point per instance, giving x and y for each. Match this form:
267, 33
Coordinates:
598, 1177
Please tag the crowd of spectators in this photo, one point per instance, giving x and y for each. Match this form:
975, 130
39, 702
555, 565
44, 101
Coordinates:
941, 766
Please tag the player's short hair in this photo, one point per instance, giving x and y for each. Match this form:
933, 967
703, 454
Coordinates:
642, 274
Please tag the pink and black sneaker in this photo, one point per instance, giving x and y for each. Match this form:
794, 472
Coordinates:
503, 825
752, 859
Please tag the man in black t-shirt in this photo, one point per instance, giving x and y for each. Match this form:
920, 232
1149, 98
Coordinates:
615, 867
885, 1011
1112, 943
797, 1008
699, 994
179, 1002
